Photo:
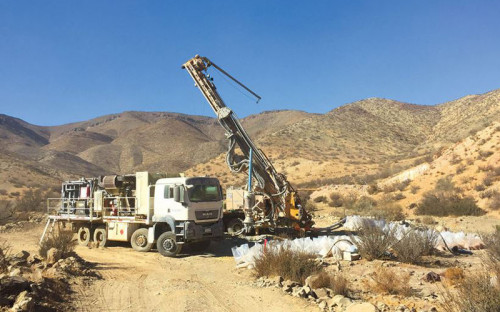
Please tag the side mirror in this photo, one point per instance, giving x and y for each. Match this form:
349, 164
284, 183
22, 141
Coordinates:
179, 193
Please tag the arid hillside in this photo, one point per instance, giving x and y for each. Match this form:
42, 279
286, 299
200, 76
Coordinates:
367, 140
355, 143
119, 143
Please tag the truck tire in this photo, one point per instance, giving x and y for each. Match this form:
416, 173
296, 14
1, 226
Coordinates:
139, 240
234, 226
101, 237
83, 236
200, 246
167, 245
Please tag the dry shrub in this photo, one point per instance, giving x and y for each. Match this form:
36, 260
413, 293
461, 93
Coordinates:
290, 264
390, 211
494, 202
399, 196
443, 205
349, 200
492, 244
388, 281
485, 154
320, 199
32, 200
414, 245
373, 189
336, 282
364, 205
476, 292
460, 169
428, 220
336, 199
62, 240
310, 206
7, 210
4, 254
454, 275
372, 241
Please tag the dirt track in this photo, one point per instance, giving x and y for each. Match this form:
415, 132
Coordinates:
135, 281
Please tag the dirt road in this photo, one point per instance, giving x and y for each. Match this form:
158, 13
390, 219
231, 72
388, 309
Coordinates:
134, 281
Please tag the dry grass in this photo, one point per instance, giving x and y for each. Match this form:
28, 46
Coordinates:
492, 244
476, 292
388, 281
62, 240
289, 264
454, 275
336, 282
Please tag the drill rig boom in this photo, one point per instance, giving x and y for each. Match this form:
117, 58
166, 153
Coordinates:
282, 203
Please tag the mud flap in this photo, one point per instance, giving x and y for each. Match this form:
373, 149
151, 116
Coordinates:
151, 234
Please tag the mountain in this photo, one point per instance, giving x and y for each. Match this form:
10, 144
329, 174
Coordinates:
121, 143
357, 142
366, 139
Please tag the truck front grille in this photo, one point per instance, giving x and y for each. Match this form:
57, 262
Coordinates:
206, 214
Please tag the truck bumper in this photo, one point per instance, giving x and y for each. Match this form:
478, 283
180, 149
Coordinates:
198, 232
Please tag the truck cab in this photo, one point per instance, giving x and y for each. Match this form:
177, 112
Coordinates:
189, 209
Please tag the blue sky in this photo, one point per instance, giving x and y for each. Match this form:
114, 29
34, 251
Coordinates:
65, 61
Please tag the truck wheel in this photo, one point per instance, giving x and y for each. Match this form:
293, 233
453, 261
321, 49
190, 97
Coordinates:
234, 226
101, 237
139, 240
83, 236
167, 245
200, 246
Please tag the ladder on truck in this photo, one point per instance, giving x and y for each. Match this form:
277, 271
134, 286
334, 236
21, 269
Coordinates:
51, 222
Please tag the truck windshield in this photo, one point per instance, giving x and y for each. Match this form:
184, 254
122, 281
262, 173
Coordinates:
204, 193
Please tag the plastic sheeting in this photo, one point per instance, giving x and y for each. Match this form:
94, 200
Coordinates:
460, 240
334, 246
324, 246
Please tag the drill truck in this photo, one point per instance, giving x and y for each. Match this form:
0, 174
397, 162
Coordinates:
141, 208
281, 206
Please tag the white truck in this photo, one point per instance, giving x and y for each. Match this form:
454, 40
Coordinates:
141, 208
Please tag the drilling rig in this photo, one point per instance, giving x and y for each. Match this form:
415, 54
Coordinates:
281, 206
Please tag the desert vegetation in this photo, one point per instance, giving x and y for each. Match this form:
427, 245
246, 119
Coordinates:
445, 200
289, 264
63, 241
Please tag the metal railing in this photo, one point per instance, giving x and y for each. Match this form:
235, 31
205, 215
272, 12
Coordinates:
88, 207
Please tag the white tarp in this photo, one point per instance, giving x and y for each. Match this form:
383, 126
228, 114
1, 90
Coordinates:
334, 246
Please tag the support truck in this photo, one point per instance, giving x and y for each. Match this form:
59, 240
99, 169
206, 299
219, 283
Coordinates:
141, 208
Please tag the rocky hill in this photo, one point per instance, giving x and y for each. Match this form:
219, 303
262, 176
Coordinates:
353, 143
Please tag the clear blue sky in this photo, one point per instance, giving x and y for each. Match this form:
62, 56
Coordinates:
64, 61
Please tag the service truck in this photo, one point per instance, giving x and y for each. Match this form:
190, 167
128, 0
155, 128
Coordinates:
141, 208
